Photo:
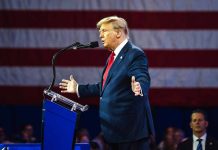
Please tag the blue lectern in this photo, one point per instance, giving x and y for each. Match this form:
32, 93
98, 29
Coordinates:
60, 117
37, 146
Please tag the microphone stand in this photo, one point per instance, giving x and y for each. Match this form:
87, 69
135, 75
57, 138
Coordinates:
73, 46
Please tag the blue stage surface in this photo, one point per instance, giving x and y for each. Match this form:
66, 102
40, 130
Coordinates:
78, 146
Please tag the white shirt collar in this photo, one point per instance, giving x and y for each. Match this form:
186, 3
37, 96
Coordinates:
203, 137
119, 47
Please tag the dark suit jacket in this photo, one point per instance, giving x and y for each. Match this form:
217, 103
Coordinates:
211, 144
124, 117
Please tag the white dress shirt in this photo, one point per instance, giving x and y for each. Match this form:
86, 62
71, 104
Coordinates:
119, 48
203, 142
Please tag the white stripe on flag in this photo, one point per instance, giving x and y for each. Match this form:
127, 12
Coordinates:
161, 78
148, 39
140, 5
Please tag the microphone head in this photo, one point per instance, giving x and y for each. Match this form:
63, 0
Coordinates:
94, 44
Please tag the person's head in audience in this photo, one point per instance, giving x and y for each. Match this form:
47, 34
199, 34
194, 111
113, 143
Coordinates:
83, 136
179, 135
169, 135
3, 136
27, 134
198, 122
168, 142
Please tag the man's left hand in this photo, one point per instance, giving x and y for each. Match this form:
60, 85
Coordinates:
136, 88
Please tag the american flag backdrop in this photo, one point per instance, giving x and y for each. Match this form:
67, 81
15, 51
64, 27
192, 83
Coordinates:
179, 37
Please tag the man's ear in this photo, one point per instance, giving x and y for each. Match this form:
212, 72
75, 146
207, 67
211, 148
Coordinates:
206, 124
119, 34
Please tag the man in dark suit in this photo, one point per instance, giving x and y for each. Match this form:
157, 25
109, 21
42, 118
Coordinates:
125, 115
200, 140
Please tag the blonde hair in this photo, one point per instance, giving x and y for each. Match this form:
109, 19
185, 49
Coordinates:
117, 23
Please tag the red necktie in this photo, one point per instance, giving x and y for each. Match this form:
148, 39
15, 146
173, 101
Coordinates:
110, 62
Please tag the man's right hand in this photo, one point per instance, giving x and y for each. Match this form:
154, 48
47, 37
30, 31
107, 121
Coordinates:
68, 86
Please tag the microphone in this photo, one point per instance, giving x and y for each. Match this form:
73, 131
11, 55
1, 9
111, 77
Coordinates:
90, 45
73, 46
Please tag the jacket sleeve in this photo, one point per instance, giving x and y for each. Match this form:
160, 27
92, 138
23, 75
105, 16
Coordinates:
89, 90
139, 69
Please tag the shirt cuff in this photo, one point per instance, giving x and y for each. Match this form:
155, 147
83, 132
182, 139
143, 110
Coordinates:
77, 91
141, 93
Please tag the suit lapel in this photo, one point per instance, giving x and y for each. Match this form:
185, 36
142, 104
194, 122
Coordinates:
117, 61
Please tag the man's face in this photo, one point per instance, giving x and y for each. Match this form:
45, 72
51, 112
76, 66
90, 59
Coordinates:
198, 123
108, 36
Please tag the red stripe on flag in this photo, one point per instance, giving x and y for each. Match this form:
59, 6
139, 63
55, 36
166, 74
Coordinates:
88, 19
187, 97
29, 95
183, 58
89, 57
193, 97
